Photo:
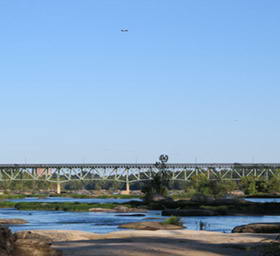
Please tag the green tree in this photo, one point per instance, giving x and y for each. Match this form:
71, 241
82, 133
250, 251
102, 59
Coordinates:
248, 185
201, 185
158, 185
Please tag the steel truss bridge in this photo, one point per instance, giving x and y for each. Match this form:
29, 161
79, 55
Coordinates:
130, 173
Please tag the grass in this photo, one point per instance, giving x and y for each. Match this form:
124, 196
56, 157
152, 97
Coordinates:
10, 196
219, 208
113, 196
117, 196
71, 195
173, 220
65, 206
182, 196
6, 204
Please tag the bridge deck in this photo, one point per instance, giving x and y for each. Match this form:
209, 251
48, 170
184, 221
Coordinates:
142, 165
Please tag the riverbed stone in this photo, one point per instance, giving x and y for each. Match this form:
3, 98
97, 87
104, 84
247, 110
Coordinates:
131, 215
12, 221
258, 228
34, 247
56, 235
153, 218
101, 210
120, 209
127, 209
150, 225
190, 212
32, 235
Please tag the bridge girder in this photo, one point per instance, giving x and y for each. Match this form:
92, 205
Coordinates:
129, 173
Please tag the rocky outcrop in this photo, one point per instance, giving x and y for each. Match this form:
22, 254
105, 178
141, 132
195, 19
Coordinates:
12, 221
258, 228
200, 198
152, 218
33, 235
34, 247
13, 245
147, 225
120, 209
55, 235
131, 215
237, 193
7, 240
101, 210
191, 212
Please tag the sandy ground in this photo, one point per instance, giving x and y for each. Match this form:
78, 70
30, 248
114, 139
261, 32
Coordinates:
165, 243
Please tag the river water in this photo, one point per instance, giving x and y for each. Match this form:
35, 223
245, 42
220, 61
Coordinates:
108, 222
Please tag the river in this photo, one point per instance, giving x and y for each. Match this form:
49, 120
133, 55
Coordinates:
108, 222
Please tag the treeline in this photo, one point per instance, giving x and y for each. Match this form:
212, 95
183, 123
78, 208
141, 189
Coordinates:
250, 185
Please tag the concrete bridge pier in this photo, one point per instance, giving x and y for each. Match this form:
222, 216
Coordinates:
58, 188
127, 191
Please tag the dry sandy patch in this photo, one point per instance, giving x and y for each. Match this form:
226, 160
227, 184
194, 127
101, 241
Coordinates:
165, 243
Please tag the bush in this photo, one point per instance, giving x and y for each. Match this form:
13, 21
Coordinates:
157, 186
173, 221
200, 185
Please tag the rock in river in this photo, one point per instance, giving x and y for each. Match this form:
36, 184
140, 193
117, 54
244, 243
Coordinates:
131, 215
12, 221
118, 209
258, 228
190, 212
147, 225
101, 210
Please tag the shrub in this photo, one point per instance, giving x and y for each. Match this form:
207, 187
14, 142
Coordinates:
173, 220
157, 186
200, 185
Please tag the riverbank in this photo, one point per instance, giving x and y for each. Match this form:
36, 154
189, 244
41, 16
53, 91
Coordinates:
168, 207
63, 206
165, 243
70, 195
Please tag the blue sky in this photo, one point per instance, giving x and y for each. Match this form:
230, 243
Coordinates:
198, 80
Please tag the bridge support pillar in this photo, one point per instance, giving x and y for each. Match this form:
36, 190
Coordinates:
58, 188
127, 191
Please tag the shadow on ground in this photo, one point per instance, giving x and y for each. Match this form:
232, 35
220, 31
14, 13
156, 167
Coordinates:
156, 246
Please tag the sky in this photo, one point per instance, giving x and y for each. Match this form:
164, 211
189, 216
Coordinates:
197, 80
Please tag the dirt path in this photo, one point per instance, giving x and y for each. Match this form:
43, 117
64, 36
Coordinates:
165, 243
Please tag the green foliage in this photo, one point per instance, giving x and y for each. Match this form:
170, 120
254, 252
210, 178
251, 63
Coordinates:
200, 184
66, 206
157, 186
117, 196
23, 185
11, 196
173, 220
274, 184
184, 195
252, 185
6, 204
